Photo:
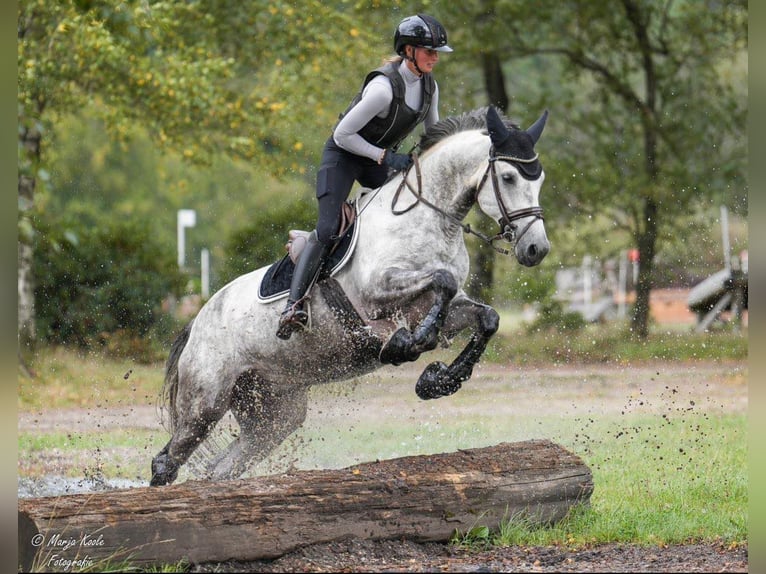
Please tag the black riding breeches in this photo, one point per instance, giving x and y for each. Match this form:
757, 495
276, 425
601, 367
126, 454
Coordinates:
337, 173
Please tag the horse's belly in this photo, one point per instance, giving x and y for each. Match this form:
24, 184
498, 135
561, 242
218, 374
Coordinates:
317, 358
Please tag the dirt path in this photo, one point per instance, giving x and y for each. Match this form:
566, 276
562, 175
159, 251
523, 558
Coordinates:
604, 389
405, 556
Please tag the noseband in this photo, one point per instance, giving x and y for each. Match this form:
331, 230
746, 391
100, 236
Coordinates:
508, 229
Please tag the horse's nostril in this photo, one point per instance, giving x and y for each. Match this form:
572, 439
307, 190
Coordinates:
532, 250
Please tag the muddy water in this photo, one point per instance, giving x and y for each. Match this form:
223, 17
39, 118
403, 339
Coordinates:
53, 485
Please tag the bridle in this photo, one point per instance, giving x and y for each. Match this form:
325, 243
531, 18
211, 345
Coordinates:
508, 229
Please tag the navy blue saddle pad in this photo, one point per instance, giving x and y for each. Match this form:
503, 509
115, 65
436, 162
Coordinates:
276, 281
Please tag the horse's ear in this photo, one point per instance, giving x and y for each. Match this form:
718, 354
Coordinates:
536, 129
498, 132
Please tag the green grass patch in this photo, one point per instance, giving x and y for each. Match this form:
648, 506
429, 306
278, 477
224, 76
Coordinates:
117, 453
612, 343
655, 483
67, 378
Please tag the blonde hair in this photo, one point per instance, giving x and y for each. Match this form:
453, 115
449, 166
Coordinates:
393, 59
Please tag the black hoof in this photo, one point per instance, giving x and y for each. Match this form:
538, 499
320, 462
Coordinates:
163, 471
398, 349
435, 383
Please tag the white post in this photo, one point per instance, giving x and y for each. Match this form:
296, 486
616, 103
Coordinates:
587, 286
205, 271
622, 289
186, 218
725, 237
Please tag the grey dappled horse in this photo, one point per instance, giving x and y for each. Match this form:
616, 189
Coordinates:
399, 295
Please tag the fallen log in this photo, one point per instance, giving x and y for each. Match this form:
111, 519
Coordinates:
422, 498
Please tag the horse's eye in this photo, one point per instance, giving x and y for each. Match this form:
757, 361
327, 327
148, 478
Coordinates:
509, 178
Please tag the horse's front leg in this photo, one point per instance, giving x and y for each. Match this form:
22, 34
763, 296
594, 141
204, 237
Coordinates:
405, 289
440, 380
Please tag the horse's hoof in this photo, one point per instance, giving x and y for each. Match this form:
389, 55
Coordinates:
398, 349
435, 382
163, 471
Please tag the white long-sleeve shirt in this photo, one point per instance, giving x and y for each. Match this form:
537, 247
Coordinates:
376, 101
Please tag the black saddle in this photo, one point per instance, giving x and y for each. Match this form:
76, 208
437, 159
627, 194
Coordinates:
276, 282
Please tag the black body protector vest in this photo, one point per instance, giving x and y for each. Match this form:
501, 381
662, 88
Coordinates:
389, 132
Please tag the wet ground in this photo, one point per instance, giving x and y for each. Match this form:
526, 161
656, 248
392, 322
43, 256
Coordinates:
499, 403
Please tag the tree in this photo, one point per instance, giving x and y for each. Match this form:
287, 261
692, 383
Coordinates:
202, 77
656, 117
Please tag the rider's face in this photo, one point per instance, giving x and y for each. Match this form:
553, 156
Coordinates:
426, 58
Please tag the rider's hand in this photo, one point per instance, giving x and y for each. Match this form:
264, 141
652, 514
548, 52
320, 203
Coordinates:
397, 161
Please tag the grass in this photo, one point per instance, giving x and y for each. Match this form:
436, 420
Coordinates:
114, 453
649, 496
611, 343
65, 378
657, 480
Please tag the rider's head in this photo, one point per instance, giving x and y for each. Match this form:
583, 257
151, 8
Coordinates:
420, 31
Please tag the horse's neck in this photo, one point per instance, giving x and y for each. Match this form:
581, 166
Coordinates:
449, 171
447, 174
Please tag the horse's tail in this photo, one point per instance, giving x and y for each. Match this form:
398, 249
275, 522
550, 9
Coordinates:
170, 386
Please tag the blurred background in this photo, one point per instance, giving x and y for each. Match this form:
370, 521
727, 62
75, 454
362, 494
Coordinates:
167, 147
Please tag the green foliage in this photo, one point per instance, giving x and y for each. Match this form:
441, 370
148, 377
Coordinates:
203, 77
101, 286
477, 537
262, 241
553, 317
264, 81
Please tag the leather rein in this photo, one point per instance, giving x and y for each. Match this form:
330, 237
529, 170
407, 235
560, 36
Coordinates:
508, 229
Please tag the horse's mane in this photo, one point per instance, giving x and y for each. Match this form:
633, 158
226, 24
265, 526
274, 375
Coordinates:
473, 120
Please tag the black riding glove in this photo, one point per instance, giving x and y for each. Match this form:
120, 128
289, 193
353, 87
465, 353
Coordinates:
397, 161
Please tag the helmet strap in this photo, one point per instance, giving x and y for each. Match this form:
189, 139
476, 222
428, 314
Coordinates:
413, 60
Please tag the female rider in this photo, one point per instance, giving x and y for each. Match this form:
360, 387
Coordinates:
363, 147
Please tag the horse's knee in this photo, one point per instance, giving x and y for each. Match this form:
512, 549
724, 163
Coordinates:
398, 349
489, 321
445, 283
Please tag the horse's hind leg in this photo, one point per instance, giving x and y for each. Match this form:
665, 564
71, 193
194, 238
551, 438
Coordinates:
440, 380
198, 413
267, 415
186, 437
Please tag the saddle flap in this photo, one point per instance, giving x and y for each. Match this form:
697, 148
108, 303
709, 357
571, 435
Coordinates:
297, 239
296, 242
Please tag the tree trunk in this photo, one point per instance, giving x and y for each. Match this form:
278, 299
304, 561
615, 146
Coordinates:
423, 498
494, 80
30, 143
26, 303
647, 242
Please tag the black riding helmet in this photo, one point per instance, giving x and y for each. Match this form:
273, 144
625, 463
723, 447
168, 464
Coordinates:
422, 31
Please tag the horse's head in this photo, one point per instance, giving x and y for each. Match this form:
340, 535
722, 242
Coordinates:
509, 190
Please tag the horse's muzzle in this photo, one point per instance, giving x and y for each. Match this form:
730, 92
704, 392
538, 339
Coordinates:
531, 250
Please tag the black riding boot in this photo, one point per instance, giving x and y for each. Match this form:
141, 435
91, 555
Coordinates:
309, 262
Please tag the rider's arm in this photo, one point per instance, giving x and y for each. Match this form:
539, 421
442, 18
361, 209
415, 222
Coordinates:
376, 99
433, 112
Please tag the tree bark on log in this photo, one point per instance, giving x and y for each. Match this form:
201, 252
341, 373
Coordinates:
422, 498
